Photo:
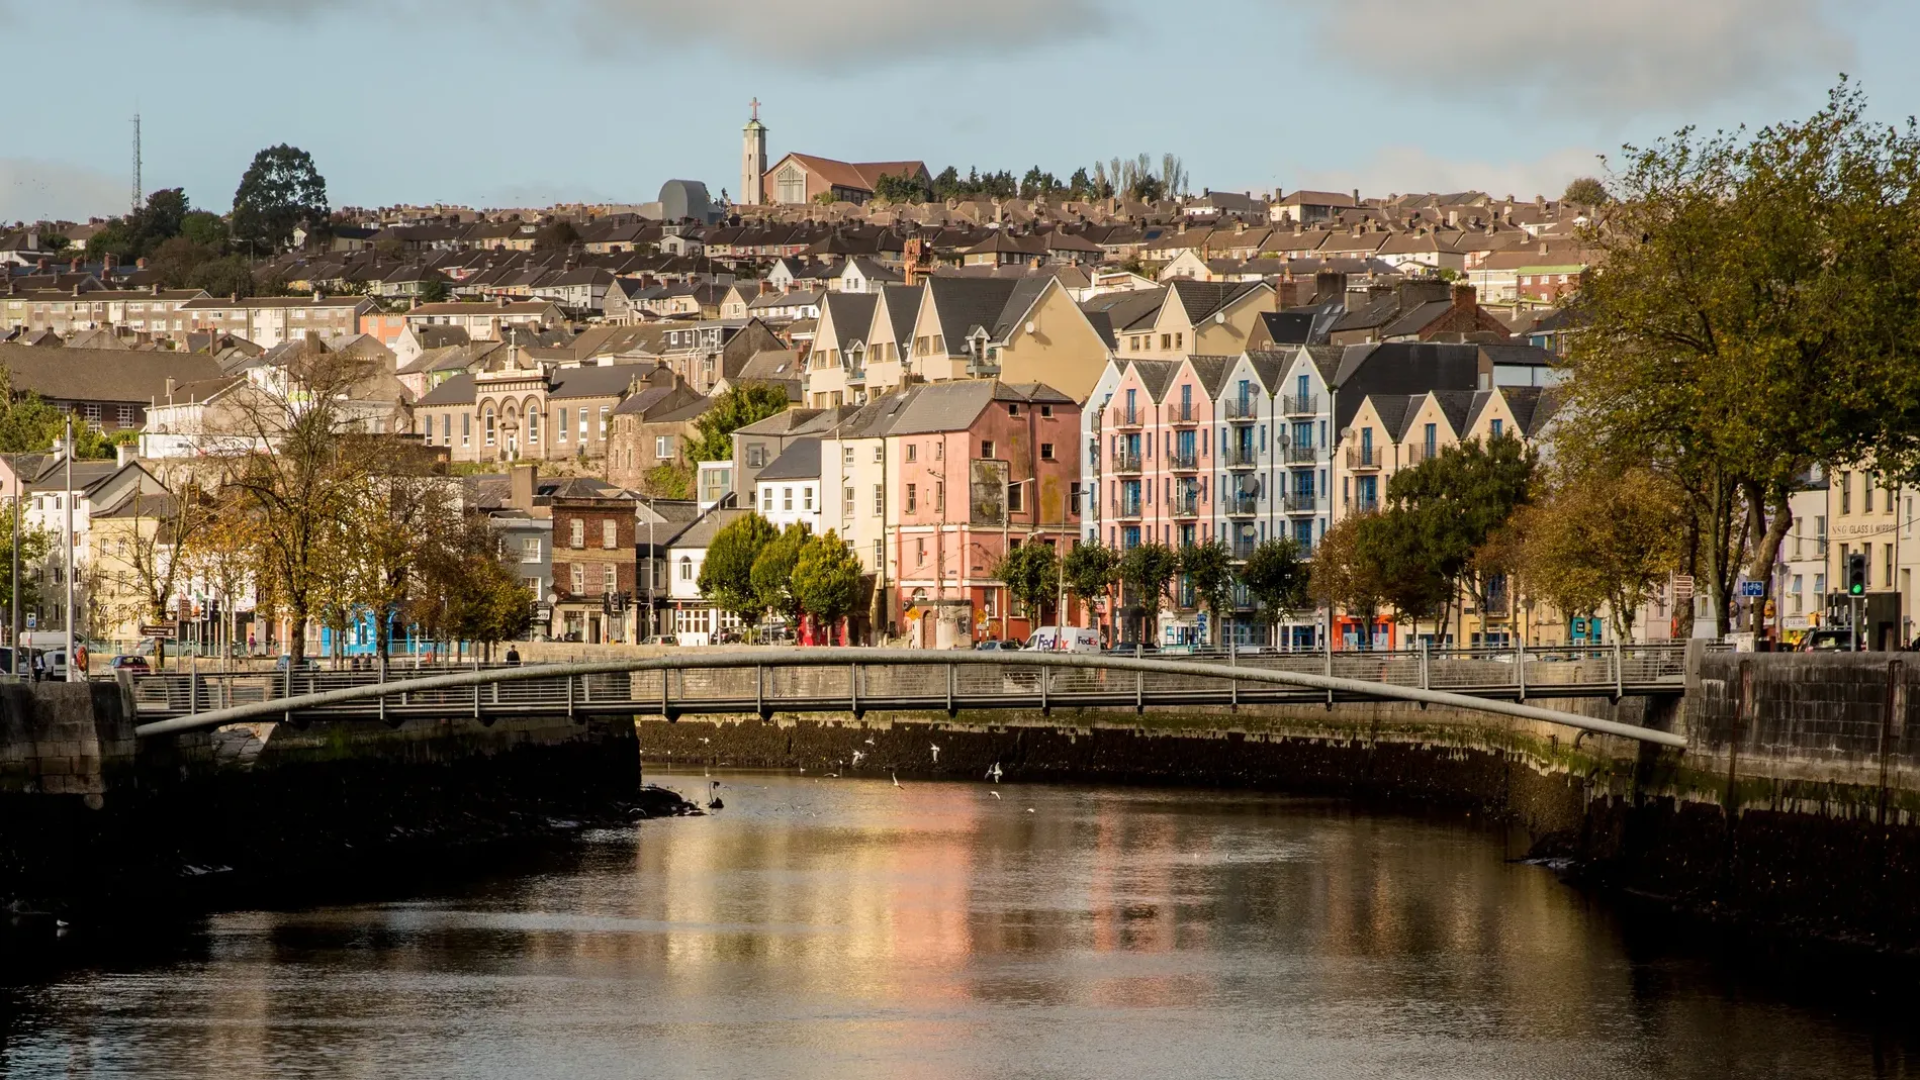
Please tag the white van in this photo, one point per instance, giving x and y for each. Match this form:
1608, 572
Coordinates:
1073, 639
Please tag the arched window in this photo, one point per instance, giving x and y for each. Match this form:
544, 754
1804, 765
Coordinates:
686, 568
533, 425
487, 424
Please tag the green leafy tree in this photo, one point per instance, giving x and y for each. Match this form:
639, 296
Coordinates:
556, 236
1346, 573
826, 578
1080, 185
1091, 570
773, 572
161, 219
726, 577
1208, 570
28, 425
209, 230
436, 292
899, 189
668, 480
1277, 577
1730, 342
1604, 539
279, 192
732, 410
1031, 573
35, 545
1444, 510
1586, 191
1147, 571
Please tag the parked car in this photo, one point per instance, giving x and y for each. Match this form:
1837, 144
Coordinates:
993, 645
1827, 641
1146, 648
136, 664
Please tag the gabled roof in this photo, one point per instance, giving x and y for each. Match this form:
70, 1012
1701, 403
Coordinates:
962, 305
1155, 375
852, 314
700, 534
70, 374
799, 461
592, 382
458, 390
903, 309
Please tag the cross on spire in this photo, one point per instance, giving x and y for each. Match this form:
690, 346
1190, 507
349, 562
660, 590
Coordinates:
756, 107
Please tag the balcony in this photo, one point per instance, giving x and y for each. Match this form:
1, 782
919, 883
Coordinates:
1301, 455
1299, 502
1184, 461
1366, 506
1243, 547
1126, 508
1363, 457
1128, 418
1242, 411
1186, 505
1242, 457
1125, 462
1243, 506
1300, 404
1183, 415
1419, 453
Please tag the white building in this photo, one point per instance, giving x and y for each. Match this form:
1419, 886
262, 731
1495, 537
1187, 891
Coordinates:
788, 489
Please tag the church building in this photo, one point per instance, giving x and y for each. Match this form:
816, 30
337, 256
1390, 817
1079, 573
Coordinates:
803, 178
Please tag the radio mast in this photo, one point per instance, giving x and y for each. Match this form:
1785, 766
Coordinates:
136, 163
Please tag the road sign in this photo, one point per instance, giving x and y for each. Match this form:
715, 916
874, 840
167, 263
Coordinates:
165, 633
33, 621
1753, 589
1682, 586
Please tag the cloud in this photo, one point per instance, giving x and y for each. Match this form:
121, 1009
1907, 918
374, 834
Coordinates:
1402, 169
1618, 58
851, 36
32, 189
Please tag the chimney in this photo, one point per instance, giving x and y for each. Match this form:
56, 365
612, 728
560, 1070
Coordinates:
522, 482
169, 389
1329, 286
1465, 296
122, 455
503, 300
153, 289
106, 263
1356, 196
317, 296
1543, 247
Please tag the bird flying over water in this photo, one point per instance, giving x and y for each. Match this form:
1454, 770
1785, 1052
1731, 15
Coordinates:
994, 773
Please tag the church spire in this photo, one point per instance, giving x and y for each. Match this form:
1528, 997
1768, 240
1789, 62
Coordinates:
753, 159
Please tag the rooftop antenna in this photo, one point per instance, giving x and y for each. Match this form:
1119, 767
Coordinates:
136, 163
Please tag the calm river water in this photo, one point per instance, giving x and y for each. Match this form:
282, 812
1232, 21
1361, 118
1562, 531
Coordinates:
848, 929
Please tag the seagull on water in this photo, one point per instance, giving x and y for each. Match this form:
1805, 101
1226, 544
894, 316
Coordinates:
896, 777
995, 794
936, 752
857, 755
869, 740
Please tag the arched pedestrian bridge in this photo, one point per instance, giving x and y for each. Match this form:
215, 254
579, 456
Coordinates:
858, 681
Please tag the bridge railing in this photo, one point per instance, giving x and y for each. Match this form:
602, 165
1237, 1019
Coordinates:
841, 676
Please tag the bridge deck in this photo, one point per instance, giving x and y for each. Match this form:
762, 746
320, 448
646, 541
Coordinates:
841, 681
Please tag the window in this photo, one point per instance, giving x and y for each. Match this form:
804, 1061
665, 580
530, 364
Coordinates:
604, 411
806, 497
1866, 493
1013, 408
577, 533
125, 416
879, 453
1046, 412
487, 424
466, 428
756, 456
879, 553
610, 578
766, 500
913, 498
1498, 426
919, 553
583, 425
446, 429
686, 568
560, 426
913, 452
879, 501
986, 448
1016, 500
533, 425
846, 455
663, 446
579, 579
1046, 451
1846, 492
846, 502
939, 493
609, 534
530, 550
786, 498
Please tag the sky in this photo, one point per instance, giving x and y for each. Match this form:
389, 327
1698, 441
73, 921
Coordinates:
530, 102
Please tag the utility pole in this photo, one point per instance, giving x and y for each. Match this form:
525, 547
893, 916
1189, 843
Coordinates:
138, 195
72, 668
19, 489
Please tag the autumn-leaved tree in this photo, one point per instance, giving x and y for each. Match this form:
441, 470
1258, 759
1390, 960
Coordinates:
1603, 539
1346, 572
1752, 314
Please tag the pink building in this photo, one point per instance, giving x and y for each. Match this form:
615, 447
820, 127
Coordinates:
974, 467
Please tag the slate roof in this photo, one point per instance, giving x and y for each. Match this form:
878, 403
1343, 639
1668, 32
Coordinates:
700, 534
69, 374
961, 304
903, 308
458, 390
593, 382
1402, 367
799, 461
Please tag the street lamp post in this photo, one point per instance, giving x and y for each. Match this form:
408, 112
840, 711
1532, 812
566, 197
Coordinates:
68, 449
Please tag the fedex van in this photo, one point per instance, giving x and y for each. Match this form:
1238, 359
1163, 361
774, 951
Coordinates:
1074, 639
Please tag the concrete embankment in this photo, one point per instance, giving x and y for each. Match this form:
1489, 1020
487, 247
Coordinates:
96, 824
1796, 804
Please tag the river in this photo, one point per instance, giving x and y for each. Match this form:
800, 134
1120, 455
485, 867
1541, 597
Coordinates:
848, 929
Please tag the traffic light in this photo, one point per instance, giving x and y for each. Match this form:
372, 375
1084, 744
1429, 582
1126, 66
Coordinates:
1857, 574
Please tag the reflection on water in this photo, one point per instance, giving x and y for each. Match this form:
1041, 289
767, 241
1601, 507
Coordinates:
848, 929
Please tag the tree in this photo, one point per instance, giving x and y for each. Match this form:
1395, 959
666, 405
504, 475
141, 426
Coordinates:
1731, 344
206, 229
1346, 574
726, 577
399, 511
668, 480
1031, 573
1277, 578
899, 189
826, 578
1173, 174
1147, 571
1604, 539
1080, 185
736, 408
436, 292
28, 425
1091, 570
160, 220
1586, 191
773, 572
1444, 510
1208, 569
278, 193
35, 545
557, 235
